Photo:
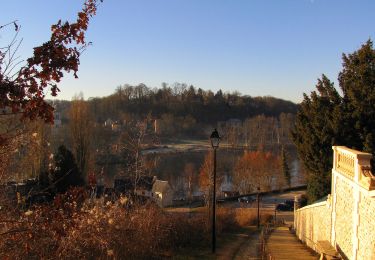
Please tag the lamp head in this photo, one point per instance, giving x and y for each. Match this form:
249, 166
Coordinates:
215, 139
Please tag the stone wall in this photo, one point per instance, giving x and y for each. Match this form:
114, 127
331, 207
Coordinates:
313, 223
366, 228
346, 219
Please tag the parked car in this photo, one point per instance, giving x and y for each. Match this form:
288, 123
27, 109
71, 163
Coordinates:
246, 199
284, 207
290, 203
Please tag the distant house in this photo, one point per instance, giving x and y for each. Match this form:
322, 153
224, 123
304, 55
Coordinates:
108, 122
198, 196
162, 193
144, 186
229, 193
227, 188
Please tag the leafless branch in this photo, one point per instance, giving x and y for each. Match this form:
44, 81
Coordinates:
13, 22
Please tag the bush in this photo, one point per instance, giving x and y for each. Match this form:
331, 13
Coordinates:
74, 227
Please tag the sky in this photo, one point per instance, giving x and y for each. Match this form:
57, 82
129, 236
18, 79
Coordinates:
257, 47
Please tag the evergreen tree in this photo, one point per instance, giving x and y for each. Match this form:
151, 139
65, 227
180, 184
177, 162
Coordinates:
66, 172
316, 130
357, 82
285, 166
325, 118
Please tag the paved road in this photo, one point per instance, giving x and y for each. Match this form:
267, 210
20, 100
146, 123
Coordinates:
268, 203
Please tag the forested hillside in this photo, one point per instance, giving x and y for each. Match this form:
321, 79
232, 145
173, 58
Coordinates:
179, 101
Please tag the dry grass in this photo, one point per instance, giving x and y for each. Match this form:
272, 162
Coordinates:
74, 227
231, 219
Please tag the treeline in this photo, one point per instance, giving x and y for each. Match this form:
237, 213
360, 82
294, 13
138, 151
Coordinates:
181, 100
180, 109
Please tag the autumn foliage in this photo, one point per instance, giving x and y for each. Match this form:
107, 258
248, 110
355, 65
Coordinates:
24, 91
205, 172
256, 169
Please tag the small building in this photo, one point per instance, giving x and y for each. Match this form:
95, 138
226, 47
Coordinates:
229, 193
198, 196
108, 122
144, 186
162, 193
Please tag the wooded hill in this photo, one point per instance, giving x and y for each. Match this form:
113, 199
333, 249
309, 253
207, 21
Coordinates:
178, 100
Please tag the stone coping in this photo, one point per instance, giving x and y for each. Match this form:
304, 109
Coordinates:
317, 204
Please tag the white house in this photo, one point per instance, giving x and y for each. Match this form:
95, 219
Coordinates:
144, 186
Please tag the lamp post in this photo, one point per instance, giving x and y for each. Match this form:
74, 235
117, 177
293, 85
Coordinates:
275, 211
258, 219
215, 140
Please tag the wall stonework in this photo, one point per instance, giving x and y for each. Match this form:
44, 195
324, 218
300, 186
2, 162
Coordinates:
366, 228
344, 216
313, 223
347, 218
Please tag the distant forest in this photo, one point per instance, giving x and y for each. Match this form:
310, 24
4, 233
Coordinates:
180, 101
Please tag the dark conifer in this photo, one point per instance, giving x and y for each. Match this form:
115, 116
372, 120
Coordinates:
325, 118
285, 166
66, 172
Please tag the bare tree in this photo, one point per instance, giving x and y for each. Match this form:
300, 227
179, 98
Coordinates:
133, 140
190, 177
81, 125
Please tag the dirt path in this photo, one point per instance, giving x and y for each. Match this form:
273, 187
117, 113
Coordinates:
249, 249
241, 246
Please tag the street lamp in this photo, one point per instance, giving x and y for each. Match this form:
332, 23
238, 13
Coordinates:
215, 140
258, 218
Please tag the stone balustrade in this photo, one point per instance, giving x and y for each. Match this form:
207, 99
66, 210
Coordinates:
345, 218
354, 165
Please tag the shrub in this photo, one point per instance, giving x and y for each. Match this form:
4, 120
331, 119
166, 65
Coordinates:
73, 227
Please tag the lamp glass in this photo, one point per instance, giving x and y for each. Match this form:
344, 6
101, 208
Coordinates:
215, 139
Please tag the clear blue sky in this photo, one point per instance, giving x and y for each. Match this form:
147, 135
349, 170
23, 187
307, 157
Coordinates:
258, 47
